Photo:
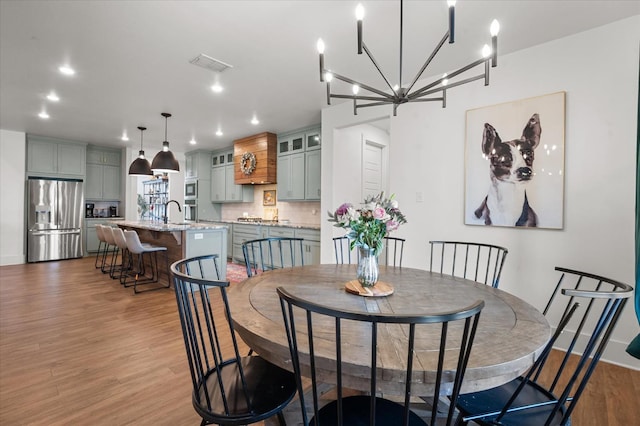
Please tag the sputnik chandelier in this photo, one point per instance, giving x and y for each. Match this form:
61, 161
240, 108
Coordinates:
399, 94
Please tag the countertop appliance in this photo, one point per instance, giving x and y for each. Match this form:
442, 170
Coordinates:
113, 211
89, 209
55, 219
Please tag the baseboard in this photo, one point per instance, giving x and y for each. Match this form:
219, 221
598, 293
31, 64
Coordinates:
12, 260
615, 353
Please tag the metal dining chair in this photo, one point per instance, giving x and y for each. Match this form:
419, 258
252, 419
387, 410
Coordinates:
304, 320
342, 250
228, 389
589, 306
474, 261
392, 252
265, 254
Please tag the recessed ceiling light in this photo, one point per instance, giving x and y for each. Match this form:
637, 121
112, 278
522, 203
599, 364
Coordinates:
43, 114
125, 137
255, 121
53, 97
66, 70
192, 141
217, 88
219, 132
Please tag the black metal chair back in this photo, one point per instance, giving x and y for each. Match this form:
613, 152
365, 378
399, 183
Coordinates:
392, 252
342, 250
474, 261
265, 254
228, 389
303, 318
549, 392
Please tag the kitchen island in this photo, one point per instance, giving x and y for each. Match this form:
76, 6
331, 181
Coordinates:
183, 240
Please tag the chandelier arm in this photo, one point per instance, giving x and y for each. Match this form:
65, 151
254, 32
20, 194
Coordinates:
418, 92
428, 99
364, 98
449, 86
375, 63
428, 61
364, 86
372, 104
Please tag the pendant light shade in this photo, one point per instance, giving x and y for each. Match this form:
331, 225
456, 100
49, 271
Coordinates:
140, 166
164, 161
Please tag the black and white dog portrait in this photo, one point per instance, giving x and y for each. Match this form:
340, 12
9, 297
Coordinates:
514, 173
510, 170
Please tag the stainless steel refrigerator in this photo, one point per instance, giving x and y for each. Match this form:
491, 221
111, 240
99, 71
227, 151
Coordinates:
54, 222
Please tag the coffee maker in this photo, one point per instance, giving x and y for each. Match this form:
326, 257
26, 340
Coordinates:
113, 211
88, 211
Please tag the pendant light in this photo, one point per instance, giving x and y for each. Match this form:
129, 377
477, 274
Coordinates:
164, 161
140, 166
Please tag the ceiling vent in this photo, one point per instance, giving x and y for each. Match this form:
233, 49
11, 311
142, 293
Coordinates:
209, 63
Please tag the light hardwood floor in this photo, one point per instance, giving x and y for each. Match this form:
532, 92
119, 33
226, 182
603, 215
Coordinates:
77, 348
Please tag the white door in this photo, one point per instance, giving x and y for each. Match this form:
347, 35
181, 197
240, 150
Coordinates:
374, 178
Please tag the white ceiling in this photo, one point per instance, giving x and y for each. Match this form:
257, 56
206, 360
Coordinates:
132, 59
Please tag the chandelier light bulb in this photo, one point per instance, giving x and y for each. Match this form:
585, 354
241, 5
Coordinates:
355, 89
328, 77
395, 87
320, 46
445, 80
451, 3
495, 28
359, 12
486, 51
66, 70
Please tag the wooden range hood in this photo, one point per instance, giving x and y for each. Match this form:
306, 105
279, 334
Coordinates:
260, 151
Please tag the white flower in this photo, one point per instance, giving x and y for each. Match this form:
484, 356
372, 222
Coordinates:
394, 204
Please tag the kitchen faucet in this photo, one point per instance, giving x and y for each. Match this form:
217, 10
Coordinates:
166, 206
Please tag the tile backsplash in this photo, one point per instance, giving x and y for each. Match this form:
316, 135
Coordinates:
304, 212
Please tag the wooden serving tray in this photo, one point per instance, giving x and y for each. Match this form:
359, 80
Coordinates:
380, 289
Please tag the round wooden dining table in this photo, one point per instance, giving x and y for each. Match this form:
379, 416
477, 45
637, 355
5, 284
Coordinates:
510, 335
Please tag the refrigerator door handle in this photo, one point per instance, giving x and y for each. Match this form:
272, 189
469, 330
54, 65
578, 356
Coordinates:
55, 231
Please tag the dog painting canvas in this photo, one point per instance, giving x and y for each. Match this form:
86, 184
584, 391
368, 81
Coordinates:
515, 164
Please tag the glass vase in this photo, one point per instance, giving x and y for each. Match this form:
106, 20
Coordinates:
367, 267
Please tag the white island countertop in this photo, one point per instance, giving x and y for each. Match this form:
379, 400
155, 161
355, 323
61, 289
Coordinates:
168, 227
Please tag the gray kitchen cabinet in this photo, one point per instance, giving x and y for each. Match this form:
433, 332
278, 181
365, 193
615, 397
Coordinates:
223, 187
312, 175
103, 174
91, 238
51, 157
299, 165
218, 185
241, 234
197, 164
310, 245
291, 177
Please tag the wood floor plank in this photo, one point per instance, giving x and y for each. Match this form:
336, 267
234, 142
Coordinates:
77, 348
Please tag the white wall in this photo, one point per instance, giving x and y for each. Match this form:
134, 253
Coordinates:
13, 147
598, 70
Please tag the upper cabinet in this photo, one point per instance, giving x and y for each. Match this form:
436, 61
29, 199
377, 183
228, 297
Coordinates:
197, 165
103, 174
49, 157
299, 165
223, 186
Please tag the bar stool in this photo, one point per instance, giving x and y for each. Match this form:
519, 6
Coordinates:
136, 247
101, 246
112, 249
126, 263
